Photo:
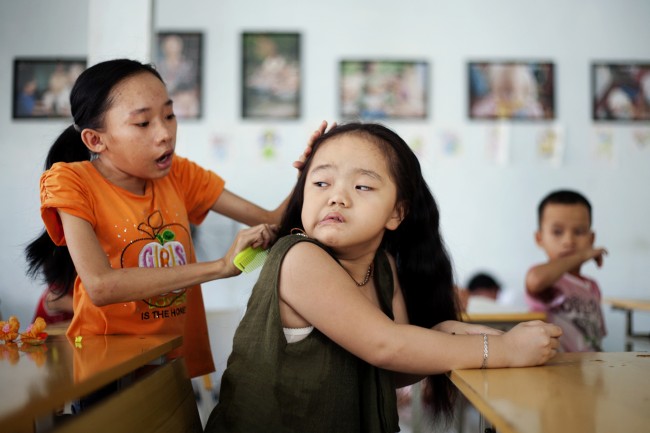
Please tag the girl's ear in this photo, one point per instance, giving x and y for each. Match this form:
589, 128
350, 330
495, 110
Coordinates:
93, 140
538, 238
396, 217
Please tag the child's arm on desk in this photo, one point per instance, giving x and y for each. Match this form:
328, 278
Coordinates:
449, 327
541, 277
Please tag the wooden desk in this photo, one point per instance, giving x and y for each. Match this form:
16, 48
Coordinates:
629, 306
37, 380
574, 392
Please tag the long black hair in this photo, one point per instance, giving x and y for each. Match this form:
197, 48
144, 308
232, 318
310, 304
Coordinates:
424, 268
90, 99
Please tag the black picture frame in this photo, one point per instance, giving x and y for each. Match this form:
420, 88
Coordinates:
620, 91
374, 89
271, 75
179, 60
511, 89
41, 86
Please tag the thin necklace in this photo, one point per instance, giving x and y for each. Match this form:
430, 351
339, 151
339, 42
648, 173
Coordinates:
366, 279
300, 232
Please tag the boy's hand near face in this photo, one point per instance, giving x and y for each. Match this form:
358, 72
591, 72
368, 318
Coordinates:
597, 254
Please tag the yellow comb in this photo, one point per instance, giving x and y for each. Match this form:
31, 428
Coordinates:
250, 258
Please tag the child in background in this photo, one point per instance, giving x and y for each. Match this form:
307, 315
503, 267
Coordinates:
54, 306
358, 300
54, 265
484, 285
557, 287
484, 294
480, 293
125, 207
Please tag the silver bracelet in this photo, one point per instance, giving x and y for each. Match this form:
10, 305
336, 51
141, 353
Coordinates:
485, 351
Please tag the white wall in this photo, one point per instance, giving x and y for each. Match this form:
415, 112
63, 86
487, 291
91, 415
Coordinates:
488, 210
28, 28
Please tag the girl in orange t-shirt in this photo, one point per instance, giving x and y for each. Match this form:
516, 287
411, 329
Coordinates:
125, 206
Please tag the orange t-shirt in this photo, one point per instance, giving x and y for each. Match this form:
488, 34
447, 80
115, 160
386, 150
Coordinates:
151, 230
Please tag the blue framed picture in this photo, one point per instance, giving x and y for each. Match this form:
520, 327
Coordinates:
41, 86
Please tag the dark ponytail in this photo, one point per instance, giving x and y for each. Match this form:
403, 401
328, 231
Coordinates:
68, 147
44, 258
90, 99
52, 262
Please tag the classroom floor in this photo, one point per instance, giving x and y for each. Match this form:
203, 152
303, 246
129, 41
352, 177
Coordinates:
206, 397
415, 419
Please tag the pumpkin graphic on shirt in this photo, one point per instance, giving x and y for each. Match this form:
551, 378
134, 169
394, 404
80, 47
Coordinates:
165, 252
160, 249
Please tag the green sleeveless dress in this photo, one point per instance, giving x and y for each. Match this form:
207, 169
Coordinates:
310, 386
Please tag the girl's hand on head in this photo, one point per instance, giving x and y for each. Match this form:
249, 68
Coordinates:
263, 235
300, 163
531, 343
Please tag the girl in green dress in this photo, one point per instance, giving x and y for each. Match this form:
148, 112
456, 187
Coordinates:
355, 299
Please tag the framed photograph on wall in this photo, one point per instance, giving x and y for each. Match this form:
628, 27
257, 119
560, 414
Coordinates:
271, 75
383, 89
41, 86
178, 60
620, 91
517, 90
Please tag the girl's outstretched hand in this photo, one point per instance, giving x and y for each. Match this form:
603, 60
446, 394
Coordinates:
300, 163
262, 235
531, 343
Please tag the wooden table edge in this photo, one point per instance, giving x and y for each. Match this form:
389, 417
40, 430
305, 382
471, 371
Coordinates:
121, 370
484, 410
629, 304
